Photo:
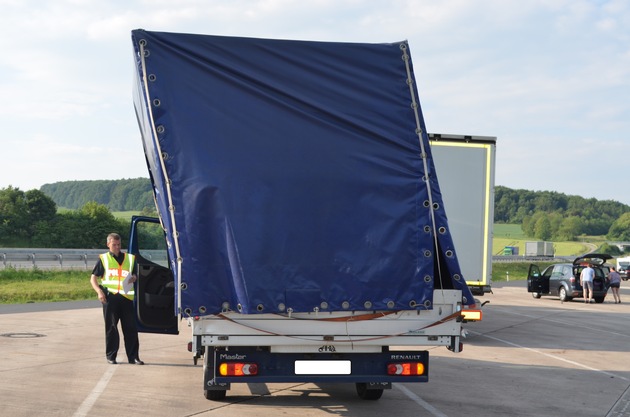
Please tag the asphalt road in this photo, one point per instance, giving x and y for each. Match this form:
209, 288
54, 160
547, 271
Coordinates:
527, 358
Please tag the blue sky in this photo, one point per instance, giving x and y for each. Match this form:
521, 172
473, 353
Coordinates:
549, 78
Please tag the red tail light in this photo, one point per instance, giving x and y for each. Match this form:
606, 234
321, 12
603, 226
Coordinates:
405, 368
238, 369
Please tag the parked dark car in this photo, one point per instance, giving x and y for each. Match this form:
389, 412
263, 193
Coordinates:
563, 279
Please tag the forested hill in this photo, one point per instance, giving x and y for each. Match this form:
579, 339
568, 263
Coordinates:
118, 195
549, 214
512, 206
541, 214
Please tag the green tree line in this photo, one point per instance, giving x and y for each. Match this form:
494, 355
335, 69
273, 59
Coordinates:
549, 215
31, 218
118, 195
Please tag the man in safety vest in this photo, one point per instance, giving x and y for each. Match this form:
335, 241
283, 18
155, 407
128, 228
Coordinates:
115, 290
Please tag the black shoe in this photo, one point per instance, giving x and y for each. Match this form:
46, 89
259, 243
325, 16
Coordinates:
112, 361
136, 362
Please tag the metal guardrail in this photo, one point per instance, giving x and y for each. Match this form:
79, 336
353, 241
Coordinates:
86, 258
21, 258
521, 258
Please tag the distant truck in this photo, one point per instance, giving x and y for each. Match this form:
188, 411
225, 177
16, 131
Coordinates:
539, 249
623, 264
465, 167
300, 209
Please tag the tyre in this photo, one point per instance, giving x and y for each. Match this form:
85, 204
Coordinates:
599, 299
562, 294
215, 395
368, 394
208, 366
536, 295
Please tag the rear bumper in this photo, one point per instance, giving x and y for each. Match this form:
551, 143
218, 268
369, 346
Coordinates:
285, 367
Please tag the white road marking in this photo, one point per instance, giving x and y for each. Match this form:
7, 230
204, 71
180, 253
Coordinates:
568, 321
434, 411
91, 399
549, 355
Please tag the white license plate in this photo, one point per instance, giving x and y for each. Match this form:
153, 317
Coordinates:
323, 367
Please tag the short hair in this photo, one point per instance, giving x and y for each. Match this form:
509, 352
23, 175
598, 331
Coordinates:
113, 236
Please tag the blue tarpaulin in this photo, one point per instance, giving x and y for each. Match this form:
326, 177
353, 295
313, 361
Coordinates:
289, 175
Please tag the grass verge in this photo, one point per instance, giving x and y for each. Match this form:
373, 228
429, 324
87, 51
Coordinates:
19, 286
515, 271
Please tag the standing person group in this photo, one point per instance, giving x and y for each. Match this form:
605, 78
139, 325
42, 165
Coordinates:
586, 280
614, 279
115, 290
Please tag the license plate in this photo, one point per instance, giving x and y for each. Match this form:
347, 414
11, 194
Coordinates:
323, 368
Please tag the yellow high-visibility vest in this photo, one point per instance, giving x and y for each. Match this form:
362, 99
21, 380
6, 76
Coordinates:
115, 274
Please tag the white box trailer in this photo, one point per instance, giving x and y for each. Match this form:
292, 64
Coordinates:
465, 166
539, 249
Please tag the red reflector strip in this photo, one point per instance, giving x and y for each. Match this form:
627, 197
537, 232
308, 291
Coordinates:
238, 369
405, 368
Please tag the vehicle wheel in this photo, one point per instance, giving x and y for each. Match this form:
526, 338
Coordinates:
215, 394
368, 394
562, 293
599, 299
536, 294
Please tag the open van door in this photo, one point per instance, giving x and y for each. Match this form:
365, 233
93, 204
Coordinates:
536, 283
155, 288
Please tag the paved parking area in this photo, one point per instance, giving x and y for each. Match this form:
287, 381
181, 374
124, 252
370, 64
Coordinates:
527, 358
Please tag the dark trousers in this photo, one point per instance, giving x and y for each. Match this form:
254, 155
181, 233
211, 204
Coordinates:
119, 308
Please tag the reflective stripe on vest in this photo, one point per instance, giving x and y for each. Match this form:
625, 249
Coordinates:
115, 274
